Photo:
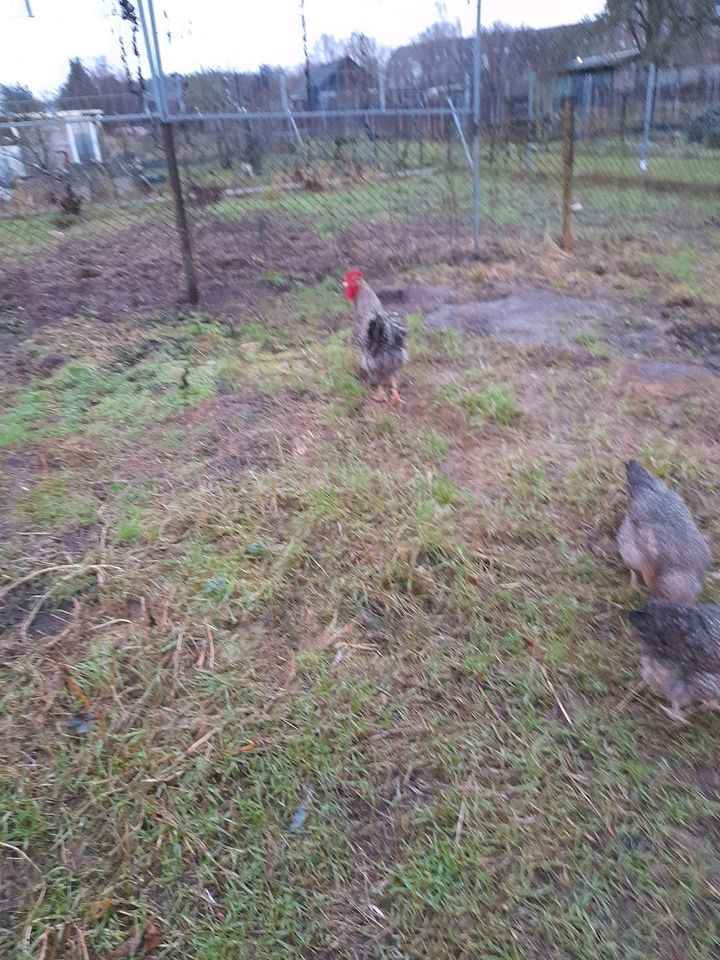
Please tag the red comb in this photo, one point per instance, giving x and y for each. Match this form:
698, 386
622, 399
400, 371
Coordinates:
352, 279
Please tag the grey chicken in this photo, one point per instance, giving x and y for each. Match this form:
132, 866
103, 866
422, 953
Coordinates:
680, 656
658, 539
380, 336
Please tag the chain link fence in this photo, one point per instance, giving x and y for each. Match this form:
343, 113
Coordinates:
348, 161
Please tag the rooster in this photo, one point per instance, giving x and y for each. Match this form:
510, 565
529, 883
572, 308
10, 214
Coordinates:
379, 335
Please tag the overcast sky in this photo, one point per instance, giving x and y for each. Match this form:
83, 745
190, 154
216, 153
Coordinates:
234, 33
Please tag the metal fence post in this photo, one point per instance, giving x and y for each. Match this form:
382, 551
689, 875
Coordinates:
647, 119
530, 145
168, 142
586, 102
476, 135
460, 131
568, 156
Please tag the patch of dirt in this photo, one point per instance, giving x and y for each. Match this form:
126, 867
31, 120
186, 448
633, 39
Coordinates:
18, 887
48, 622
524, 314
229, 435
76, 541
138, 270
416, 296
667, 379
700, 332
545, 319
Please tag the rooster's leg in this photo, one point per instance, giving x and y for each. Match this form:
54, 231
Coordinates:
675, 712
380, 394
633, 581
395, 397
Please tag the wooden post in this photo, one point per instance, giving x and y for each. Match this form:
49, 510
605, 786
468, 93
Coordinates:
568, 156
168, 139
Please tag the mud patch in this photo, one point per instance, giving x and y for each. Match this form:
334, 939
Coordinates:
667, 379
416, 296
530, 315
137, 271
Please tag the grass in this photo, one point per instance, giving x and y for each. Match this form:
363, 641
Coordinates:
496, 402
359, 679
679, 266
51, 503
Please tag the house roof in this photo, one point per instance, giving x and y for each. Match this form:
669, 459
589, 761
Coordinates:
607, 61
320, 77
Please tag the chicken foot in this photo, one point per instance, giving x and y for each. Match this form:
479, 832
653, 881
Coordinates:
395, 397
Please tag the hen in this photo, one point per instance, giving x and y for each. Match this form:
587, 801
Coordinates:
680, 653
380, 336
658, 539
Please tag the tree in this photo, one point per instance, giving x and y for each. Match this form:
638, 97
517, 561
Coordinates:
97, 87
16, 99
326, 49
442, 29
501, 66
79, 92
362, 49
658, 27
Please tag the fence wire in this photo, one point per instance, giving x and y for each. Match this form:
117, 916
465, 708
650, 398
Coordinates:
347, 161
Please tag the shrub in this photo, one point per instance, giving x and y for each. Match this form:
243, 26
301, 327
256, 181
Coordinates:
705, 128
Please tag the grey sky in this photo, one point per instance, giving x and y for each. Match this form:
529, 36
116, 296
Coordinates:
234, 33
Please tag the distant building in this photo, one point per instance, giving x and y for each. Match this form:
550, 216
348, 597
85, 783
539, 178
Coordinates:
599, 78
75, 133
32, 155
340, 85
617, 82
427, 72
11, 161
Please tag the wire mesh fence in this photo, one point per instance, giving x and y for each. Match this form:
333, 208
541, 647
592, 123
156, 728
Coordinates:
354, 158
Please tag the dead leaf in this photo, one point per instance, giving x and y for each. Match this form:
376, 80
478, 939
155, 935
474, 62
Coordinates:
152, 939
74, 689
129, 948
137, 945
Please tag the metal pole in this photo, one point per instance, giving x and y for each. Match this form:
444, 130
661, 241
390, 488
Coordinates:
476, 135
568, 151
158, 62
155, 83
285, 104
647, 120
381, 86
586, 100
168, 140
461, 133
530, 146
179, 95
